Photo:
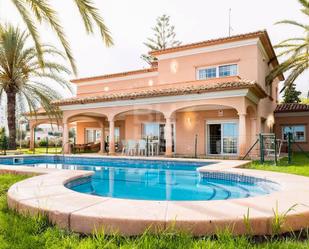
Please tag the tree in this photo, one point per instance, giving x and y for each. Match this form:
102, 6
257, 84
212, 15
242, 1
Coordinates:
3, 139
35, 12
295, 50
164, 37
291, 95
23, 78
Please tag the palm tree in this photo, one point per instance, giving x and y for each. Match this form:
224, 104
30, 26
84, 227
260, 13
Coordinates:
294, 50
34, 12
23, 78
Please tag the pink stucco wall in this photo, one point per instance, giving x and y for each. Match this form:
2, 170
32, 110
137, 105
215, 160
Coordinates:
100, 87
184, 68
293, 120
189, 124
180, 68
252, 65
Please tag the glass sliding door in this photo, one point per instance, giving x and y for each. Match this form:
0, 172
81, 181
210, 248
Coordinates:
222, 138
151, 130
229, 138
91, 135
156, 133
214, 139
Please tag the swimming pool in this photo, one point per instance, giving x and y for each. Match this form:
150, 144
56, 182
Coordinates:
152, 179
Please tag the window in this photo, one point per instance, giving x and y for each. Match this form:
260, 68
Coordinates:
227, 70
217, 71
207, 73
298, 132
91, 135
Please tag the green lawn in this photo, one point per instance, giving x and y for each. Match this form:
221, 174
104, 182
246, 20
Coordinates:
51, 150
298, 166
21, 232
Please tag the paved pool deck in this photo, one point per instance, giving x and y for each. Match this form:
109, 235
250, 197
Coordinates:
45, 193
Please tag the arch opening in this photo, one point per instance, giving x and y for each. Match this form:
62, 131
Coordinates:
142, 126
207, 130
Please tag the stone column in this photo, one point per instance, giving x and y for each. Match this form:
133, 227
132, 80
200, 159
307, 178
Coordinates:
168, 137
111, 137
254, 129
65, 139
102, 142
242, 139
254, 136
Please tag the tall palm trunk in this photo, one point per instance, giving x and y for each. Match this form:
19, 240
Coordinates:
11, 118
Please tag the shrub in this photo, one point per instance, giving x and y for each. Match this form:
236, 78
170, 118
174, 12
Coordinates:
43, 143
24, 143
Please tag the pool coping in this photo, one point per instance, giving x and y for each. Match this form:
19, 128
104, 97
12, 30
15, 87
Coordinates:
46, 194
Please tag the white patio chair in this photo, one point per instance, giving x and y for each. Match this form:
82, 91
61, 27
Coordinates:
124, 146
131, 148
142, 146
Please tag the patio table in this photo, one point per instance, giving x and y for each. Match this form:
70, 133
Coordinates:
153, 147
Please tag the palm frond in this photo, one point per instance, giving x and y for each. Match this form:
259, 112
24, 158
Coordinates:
291, 22
25, 14
90, 14
51, 16
304, 3
294, 75
21, 72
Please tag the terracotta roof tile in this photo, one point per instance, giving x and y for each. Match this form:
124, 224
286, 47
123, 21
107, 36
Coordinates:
148, 92
121, 74
208, 42
292, 107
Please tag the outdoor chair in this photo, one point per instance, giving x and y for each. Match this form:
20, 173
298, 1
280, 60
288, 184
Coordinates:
142, 147
131, 148
124, 145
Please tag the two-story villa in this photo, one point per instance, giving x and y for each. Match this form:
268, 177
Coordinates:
208, 98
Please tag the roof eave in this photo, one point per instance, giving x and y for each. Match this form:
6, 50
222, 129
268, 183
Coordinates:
257, 90
114, 75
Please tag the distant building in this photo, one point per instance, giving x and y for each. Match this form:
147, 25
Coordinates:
46, 130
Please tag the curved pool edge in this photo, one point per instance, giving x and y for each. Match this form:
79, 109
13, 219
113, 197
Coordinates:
83, 213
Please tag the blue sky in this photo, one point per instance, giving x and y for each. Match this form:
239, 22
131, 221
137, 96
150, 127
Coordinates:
130, 23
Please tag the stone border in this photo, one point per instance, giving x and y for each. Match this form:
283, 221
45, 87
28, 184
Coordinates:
83, 213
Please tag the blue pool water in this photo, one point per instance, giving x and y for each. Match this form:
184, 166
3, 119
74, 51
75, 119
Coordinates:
153, 179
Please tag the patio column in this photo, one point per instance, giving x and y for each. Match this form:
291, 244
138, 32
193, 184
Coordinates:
65, 139
32, 127
254, 135
168, 137
102, 142
111, 137
242, 137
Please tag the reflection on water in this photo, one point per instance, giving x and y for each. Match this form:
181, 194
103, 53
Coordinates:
159, 182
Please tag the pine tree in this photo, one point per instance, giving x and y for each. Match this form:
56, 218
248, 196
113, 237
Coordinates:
291, 95
164, 37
